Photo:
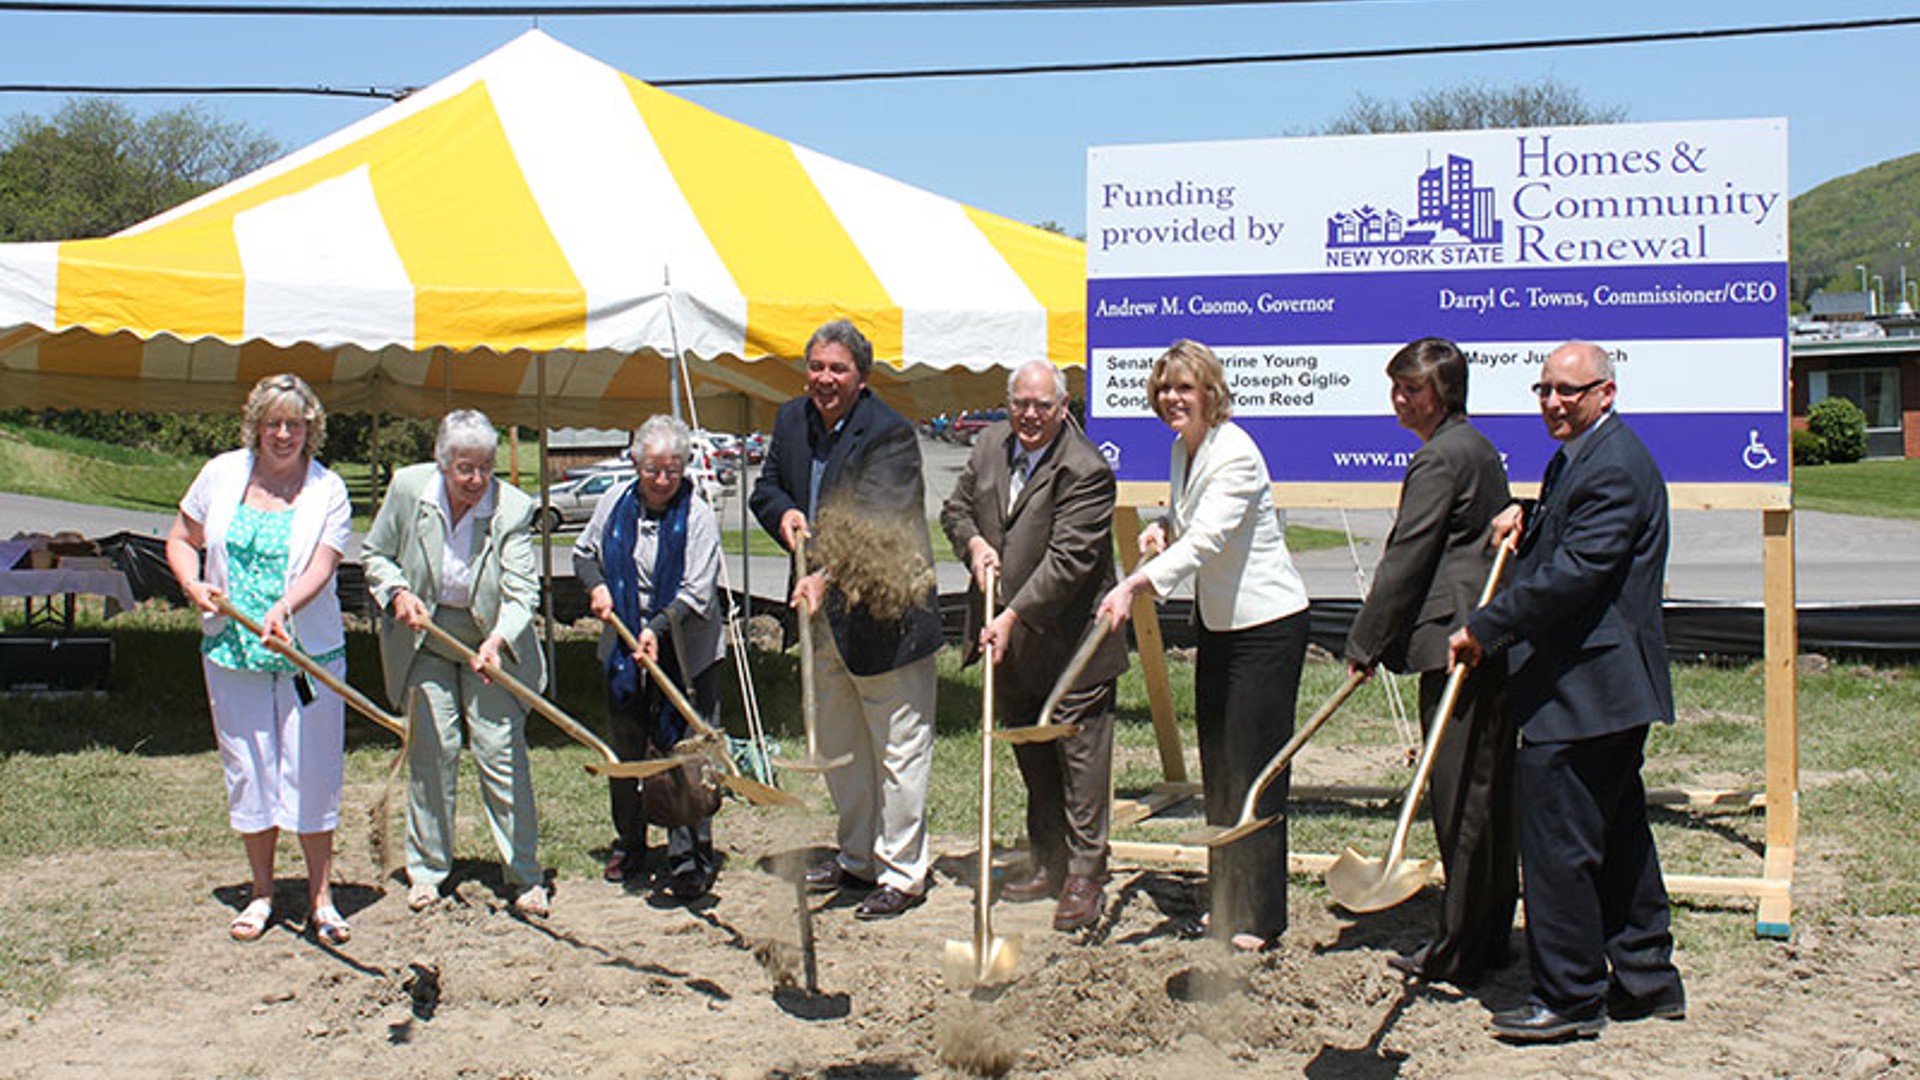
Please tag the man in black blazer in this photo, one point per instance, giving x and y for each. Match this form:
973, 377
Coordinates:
1050, 541
1581, 623
841, 447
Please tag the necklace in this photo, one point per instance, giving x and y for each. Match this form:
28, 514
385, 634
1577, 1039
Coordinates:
285, 490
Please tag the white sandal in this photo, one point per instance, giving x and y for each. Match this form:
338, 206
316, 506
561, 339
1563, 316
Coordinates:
252, 920
532, 902
327, 925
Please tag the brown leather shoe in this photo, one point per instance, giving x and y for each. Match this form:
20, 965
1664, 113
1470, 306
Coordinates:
830, 875
886, 902
1028, 887
1081, 901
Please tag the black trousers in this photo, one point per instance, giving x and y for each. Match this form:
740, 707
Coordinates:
1597, 917
1245, 683
1474, 824
688, 847
1069, 782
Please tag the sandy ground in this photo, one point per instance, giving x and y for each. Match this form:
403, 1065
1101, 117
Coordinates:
619, 983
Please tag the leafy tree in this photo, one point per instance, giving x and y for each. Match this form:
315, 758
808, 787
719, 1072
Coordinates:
96, 168
1474, 105
1868, 218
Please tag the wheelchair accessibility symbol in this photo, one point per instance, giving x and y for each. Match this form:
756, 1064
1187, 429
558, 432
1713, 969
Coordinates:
1756, 455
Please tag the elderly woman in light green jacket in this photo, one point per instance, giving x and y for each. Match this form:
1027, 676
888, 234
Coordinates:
453, 546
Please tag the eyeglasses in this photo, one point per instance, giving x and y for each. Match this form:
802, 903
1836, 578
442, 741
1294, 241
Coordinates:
655, 472
467, 470
1031, 405
1566, 393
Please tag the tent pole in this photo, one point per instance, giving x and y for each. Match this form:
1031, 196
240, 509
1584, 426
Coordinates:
746, 538
546, 536
374, 487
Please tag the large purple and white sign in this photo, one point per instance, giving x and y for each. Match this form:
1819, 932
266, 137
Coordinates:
1305, 263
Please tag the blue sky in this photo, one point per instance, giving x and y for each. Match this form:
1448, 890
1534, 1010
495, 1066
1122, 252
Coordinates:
1017, 146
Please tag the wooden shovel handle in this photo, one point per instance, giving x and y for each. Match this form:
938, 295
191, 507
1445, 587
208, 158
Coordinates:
679, 700
1442, 713
574, 728
1285, 755
361, 703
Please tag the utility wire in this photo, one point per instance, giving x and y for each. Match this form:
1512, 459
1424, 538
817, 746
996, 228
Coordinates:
1588, 41
736, 7
389, 93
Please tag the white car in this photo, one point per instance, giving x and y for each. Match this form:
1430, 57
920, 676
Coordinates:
570, 503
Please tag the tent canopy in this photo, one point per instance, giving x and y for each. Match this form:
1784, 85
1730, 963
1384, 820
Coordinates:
538, 221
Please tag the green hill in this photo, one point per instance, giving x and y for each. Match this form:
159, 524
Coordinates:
1858, 220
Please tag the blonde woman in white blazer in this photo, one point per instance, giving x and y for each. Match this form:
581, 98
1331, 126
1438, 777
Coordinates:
273, 524
1223, 532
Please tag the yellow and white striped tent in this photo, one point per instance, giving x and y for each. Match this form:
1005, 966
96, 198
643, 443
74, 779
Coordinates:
537, 225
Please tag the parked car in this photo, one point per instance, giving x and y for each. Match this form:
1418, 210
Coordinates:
610, 464
968, 424
570, 503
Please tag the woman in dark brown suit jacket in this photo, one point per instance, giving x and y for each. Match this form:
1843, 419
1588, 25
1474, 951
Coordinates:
1435, 564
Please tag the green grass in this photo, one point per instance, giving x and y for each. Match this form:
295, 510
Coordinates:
1889, 489
78, 775
36, 462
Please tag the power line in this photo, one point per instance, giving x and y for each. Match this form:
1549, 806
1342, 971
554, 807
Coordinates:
737, 7
389, 93
1650, 37
1090, 67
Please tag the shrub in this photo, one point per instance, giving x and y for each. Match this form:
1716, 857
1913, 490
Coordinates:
1842, 429
1808, 448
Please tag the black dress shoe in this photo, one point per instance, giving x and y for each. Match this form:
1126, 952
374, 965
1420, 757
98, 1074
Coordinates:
1671, 1006
1535, 1023
691, 883
830, 875
886, 902
1411, 964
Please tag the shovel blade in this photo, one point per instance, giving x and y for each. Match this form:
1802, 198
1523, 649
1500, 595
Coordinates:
1214, 836
636, 770
1036, 733
1363, 885
757, 793
814, 764
962, 964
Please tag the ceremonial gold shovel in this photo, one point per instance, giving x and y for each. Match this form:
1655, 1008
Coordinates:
1361, 884
752, 790
361, 704
1218, 835
985, 959
813, 762
1045, 730
612, 766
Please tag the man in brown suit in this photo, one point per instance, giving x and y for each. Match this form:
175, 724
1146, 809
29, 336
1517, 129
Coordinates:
1035, 505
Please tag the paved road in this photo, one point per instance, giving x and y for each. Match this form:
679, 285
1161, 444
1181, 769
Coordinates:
1716, 556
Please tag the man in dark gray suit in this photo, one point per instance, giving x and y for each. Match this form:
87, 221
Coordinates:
1581, 622
1035, 506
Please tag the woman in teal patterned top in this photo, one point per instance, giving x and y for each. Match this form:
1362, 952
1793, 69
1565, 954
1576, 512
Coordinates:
272, 524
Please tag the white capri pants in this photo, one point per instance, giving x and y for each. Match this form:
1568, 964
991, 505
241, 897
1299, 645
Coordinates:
285, 762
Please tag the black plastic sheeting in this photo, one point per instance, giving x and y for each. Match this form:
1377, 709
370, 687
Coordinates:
1695, 629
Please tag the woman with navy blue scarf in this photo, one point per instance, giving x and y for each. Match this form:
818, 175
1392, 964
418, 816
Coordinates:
651, 555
